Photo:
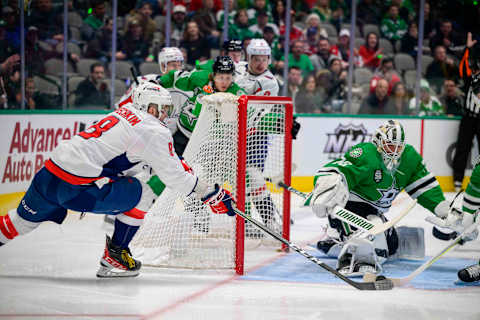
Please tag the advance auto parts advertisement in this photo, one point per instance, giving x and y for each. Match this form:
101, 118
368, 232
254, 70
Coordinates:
28, 141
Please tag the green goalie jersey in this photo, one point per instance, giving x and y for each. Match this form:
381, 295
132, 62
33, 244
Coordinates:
201, 85
369, 180
471, 199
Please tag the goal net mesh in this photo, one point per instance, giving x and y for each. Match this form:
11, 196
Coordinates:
182, 232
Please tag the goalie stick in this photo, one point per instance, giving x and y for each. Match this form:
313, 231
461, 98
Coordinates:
356, 220
399, 282
380, 284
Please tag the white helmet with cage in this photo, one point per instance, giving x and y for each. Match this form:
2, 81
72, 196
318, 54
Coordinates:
389, 139
150, 94
169, 54
259, 47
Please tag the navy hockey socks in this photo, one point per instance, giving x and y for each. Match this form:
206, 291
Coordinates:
123, 234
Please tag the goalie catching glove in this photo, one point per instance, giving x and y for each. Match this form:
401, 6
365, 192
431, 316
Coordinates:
330, 190
453, 219
220, 201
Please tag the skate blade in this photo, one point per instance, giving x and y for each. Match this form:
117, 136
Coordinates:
106, 272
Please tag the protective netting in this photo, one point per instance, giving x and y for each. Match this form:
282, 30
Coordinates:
181, 231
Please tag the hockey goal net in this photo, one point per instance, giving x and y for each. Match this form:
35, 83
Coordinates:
244, 144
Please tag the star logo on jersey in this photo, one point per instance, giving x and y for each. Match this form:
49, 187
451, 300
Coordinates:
186, 116
356, 153
387, 196
378, 175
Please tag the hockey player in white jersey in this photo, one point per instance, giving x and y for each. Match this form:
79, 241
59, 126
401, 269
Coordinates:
169, 58
255, 78
86, 174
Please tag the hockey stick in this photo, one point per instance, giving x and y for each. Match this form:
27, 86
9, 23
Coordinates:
398, 282
134, 75
380, 284
356, 220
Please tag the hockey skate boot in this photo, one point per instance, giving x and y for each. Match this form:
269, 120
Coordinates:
470, 274
325, 245
331, 244
117, 262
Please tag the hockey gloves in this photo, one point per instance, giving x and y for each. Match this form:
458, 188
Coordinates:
220, 201
453, 219
446, 217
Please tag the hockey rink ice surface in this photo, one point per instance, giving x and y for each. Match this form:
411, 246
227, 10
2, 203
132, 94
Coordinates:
50, 274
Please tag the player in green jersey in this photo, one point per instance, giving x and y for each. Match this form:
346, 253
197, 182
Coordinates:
470, 207
366, 180
201, 83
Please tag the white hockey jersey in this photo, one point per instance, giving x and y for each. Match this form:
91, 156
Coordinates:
116, 143
264, 84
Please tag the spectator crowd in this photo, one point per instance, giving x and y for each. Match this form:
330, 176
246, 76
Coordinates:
384, 55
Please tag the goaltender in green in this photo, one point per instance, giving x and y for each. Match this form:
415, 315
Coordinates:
365, 181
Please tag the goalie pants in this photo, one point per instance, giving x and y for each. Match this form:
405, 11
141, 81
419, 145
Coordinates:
363, 209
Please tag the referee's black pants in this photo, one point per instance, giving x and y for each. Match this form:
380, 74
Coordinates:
469, 127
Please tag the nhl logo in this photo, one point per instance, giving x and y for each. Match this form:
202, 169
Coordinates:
377, 176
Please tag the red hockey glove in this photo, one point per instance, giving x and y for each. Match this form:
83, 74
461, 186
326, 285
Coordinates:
220, 201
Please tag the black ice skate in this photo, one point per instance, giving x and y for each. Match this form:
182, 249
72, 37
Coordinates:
325, 245
117, 262
470, 274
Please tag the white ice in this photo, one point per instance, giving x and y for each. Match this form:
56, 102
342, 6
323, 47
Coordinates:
50, 274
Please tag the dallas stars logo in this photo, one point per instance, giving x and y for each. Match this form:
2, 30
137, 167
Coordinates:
387, 196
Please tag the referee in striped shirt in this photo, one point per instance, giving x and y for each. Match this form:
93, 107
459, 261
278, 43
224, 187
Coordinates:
470, 123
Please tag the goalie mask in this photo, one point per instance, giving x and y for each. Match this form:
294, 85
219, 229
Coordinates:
148, 95
167, 55
389, 139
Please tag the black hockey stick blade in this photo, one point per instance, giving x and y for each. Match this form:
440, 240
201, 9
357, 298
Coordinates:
380, 284
443, 235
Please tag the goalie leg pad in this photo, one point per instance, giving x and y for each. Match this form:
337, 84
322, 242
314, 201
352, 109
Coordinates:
411, 243
360, 255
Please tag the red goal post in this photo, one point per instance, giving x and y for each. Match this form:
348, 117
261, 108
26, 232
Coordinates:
243, 103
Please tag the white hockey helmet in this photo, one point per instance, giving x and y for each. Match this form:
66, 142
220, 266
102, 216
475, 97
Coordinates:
389, 139
167, 55
148, 93
258, 47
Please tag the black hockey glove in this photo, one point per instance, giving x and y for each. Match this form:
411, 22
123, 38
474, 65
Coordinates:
295, 128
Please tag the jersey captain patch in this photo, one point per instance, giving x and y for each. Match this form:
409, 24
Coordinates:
355, 153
